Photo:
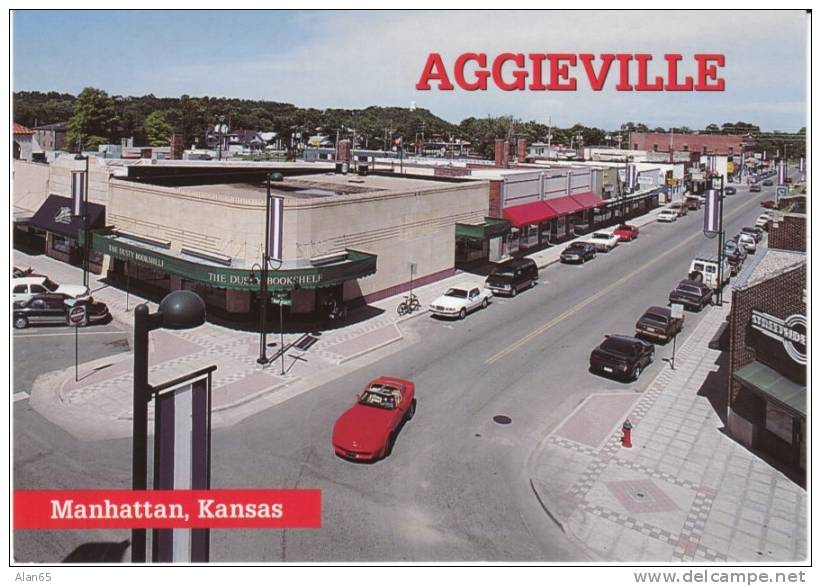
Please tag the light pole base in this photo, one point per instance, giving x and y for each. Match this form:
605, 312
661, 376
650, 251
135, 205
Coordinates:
262, 360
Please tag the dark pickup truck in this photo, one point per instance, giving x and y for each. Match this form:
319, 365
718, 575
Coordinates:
691, 294
658, 323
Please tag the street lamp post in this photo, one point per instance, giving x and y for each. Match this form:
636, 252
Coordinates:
86, 240
180, 310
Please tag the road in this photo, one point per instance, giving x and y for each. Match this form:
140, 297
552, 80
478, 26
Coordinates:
456, 485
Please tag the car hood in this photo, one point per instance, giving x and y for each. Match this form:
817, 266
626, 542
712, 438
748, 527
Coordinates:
363, 428
449, 302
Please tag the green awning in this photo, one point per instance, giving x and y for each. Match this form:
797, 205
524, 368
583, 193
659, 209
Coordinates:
764, 380
352, 264
490, 228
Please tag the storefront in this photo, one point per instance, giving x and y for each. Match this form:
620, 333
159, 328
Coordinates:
532, 225
63, 230
223, 286
481, 242
767, 402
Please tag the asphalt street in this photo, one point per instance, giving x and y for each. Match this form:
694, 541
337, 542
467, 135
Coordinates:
456, 485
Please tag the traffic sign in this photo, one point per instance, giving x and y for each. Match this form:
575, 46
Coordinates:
281, 300
77, 315
677, 311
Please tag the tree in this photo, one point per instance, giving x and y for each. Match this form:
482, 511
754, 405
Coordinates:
93, 120
158, 131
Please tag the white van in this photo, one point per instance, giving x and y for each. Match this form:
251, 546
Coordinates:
705, 269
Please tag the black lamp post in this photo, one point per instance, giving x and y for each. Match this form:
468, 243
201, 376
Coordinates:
86, 240
180, 310
717, 183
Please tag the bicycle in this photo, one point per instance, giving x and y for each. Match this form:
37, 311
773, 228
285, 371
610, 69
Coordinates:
409, 305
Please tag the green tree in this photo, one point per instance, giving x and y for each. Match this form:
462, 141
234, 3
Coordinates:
157, 129
93, 120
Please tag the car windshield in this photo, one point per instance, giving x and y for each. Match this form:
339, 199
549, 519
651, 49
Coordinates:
624, 227
50, 285
617, 346
503, 273
654, 317
383, 398
575, 247
689, 289
458, 293
602, 235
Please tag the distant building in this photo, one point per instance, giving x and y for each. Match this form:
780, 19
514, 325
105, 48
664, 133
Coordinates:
51, 137
25, 144
703, 144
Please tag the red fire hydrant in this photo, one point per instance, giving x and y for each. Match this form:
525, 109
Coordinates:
625, 434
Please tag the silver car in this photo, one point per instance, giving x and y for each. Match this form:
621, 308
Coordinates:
747, 242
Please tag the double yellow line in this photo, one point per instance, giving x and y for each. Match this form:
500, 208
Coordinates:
582, 304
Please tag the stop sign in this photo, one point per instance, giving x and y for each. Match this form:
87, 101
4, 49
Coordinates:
77, 315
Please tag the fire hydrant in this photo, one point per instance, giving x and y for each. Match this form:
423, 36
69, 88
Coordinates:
625, 434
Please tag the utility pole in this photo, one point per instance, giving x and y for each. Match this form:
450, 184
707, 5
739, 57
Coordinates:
549, 136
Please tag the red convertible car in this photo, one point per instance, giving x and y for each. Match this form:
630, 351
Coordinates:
626, 232
367, 430
769, 204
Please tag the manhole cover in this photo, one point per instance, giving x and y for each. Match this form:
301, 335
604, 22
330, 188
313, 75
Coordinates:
502, 419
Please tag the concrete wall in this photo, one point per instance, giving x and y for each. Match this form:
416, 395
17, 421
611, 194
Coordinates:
30, 184
99, 173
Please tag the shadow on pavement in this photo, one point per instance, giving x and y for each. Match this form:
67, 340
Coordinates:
100, 552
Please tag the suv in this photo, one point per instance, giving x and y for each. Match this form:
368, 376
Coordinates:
622, 356
705, 270
659, 323
693, 295
512, 276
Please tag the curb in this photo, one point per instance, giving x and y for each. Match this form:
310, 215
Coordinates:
372, 348
252, 397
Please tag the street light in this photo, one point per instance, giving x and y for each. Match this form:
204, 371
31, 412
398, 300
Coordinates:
86, 240
180, 310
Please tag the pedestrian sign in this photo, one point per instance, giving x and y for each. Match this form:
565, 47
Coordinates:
77, 315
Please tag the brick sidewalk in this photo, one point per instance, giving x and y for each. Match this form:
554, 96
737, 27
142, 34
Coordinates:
684, 492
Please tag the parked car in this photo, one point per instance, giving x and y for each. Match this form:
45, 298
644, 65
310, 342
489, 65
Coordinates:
755, 187
622, 356
680, 208
17, 273
705, 269
368, 430
755, 232
603, 241
53, 308
626, 232
746, 241
788, 180
763, 221
735, 254
693, 295
513, 276
658, 323
769, 204
578, 252
729, 191
667, 215
693, 202
460, 300
768, 183
25, 287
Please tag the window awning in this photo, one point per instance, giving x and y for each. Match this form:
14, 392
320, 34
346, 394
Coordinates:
775, 387
564, 205
589, 200
55, 216
351, 264
490, 228
529, 213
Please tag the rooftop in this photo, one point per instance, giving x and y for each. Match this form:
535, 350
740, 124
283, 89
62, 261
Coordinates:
20, 129
771, 264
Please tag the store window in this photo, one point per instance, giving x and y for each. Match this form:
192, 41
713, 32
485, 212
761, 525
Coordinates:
513, 239
61, 243
778, 422
529, 236
544, 232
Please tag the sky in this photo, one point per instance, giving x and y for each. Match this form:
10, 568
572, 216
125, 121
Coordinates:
355, 59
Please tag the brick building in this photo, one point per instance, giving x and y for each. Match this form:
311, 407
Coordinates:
703, 144
767, 381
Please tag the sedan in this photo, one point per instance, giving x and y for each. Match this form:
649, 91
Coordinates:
622, 356
658, 323
693, 295
735, 254
729, 191
53, 308
626, 232
769, 204
667, 215
756, 233
755, 187
460, 300
368, 430
762, 221
768, 183
746, 241
604, 241
578, 252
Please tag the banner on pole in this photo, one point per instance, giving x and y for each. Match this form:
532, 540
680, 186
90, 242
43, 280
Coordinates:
78, 183
711, 218
275, 229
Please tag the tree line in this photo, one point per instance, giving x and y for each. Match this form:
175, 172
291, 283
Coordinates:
94, 118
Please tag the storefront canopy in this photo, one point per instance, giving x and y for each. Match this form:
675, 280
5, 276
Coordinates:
55, 216
588, 200
775, 387
564, 205
490, 228
529, 213
324, 272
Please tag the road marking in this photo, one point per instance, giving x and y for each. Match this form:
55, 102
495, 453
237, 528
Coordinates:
46, 335
581, 305
21, 396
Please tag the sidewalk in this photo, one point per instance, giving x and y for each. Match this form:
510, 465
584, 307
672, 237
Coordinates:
684, 492
98, 406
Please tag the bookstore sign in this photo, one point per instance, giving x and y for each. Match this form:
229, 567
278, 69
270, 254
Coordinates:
791, 332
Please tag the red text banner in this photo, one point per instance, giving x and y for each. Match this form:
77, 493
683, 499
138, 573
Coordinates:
166, 509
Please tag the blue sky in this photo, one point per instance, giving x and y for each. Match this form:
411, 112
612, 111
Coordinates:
361, 58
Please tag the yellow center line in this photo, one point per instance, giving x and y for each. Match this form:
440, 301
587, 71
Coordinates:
581, 305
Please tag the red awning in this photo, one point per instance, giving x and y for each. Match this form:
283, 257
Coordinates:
588, 200
529, 213
564, 205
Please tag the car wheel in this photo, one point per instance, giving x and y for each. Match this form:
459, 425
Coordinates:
635, 374
534, 282
484, 303
411, 411
462, 313
21, 323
